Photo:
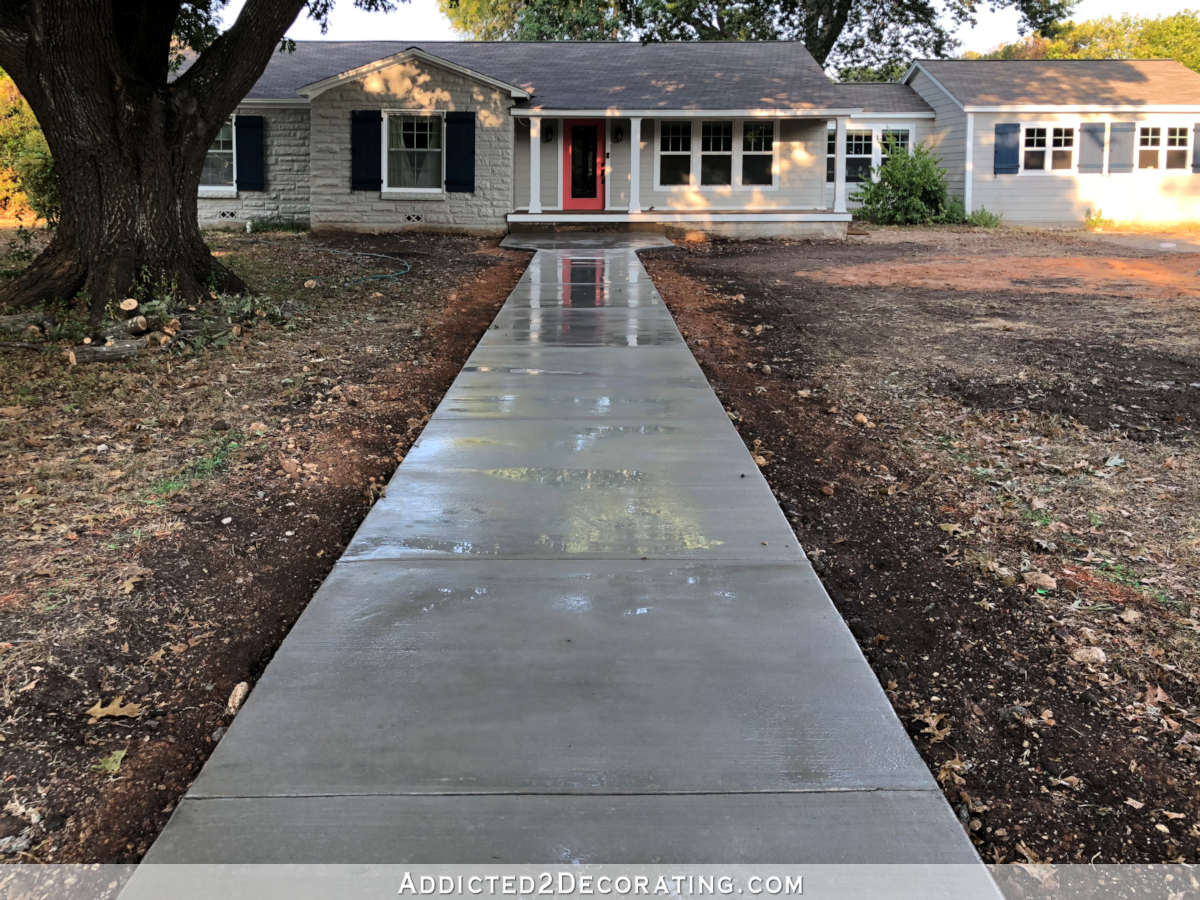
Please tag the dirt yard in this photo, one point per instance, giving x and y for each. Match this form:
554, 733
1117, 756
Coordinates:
987, 443
166, 518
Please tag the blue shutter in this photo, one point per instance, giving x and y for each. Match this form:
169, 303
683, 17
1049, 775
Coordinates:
1091, 146
460, 152
366, 172
1007, 158
1120, 147
1196, 148
248, 138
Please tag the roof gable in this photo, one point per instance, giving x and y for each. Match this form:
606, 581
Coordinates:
1061, 83
316, 88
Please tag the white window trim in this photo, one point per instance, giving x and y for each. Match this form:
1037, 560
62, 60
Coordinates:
877, 129
1073, 169
696, 153
383, 153
1163, 128
224, 191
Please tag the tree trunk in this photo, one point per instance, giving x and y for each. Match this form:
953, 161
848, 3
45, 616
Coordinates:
128, 154
128, 227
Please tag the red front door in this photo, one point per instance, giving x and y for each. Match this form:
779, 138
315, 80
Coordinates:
583, 164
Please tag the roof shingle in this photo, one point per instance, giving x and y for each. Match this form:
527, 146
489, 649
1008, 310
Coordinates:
1067, 82
590, 75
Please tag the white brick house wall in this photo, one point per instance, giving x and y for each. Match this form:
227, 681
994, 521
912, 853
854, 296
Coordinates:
285, 145
411, 85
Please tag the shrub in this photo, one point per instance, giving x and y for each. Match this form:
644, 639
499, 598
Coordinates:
984, 218
28, 180
1094, 220
910, 190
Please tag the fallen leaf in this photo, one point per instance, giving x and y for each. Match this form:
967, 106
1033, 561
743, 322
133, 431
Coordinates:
237, 697
110, 764
1136, 804
1089, 655
115, 708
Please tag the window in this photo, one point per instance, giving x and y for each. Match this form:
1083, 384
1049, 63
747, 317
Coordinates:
414, 152
1149, 143
1035, 150
716, 153
892, 137
218, 162
865, 150
1062, 148
758, 152
675, 153
1177, 148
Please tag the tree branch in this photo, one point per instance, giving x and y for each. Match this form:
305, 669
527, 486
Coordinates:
14, 38
225, 72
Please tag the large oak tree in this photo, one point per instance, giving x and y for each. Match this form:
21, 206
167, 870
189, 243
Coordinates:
840, 34
128, 139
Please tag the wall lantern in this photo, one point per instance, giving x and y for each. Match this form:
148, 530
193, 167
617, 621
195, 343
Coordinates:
618, 134
547, 134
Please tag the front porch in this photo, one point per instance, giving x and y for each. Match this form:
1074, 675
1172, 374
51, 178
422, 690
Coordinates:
743, 172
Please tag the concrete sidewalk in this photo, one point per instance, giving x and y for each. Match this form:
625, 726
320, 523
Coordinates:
577, 629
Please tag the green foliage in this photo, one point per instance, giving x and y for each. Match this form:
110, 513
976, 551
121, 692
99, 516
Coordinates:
910, 190
27, 180
1094, 220
1176, 36
876, 34
984, 218
277, 223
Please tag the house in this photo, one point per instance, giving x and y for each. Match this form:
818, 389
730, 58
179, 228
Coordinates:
1050, 141
736, 138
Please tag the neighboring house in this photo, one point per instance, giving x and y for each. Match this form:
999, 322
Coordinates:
1050, 141
735, 138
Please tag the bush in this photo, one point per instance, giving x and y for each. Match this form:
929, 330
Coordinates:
984, 218
910, 190
27, 180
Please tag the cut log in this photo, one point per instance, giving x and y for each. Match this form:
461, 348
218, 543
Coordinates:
128, 306
20, 321
85, 353
137, 325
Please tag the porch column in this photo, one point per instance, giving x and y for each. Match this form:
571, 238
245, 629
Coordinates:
635, 165
839, 166
535, 164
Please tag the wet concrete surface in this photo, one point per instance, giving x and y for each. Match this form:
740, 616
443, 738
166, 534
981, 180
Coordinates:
577, 623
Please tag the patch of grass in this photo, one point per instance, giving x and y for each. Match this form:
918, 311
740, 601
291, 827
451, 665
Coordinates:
984, 218
1118, 573
208, 465
1094, 220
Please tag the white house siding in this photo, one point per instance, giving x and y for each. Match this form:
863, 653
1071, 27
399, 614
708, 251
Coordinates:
947, 135
412, 84
1146, 195
551, 174
799, 159
285, 146
918, 132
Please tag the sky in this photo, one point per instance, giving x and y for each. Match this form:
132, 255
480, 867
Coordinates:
420, 20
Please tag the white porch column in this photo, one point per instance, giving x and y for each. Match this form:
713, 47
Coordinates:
839, 166
535, 164
635, 165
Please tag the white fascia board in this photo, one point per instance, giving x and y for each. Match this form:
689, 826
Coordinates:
293, 102
617, 113
1087, 108
319, 87
869, 116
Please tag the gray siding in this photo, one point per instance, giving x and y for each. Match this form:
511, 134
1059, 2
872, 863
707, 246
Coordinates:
948, 135
551, 174
285, 146
1054, 198
404, 86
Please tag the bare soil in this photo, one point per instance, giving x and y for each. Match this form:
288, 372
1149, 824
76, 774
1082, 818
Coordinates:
987, 443
165, 519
